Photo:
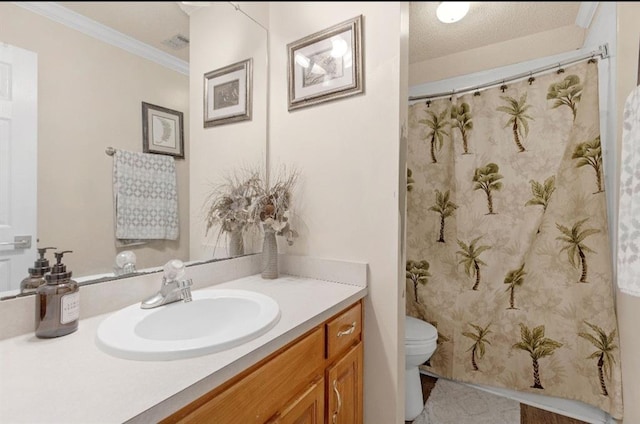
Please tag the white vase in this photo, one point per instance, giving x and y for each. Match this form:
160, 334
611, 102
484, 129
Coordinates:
269, 254
236, 243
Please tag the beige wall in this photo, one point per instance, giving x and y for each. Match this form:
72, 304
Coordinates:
522, 49
89, 97
221, 36
628, 306
348, 152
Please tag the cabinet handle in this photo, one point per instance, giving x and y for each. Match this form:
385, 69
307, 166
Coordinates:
348, 331
335, 389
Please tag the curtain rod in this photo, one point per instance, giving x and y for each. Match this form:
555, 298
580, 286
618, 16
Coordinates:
603, 52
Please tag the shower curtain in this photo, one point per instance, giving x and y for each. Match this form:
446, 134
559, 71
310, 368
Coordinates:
508, 252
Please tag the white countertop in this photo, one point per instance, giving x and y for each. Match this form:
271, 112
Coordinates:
70, 380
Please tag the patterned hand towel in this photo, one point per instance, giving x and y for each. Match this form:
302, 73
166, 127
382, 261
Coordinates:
145, 196
629, 209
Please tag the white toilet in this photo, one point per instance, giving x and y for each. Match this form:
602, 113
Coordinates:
420, 341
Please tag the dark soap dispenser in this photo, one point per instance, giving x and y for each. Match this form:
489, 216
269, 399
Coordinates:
57, 302
36, 274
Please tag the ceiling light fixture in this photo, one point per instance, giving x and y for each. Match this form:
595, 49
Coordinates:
452, 11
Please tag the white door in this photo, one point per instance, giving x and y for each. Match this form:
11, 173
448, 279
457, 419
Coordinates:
18, 163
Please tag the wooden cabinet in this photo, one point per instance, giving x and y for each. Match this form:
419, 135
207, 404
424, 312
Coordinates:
316, 379
344, 367
344, 330
308, 408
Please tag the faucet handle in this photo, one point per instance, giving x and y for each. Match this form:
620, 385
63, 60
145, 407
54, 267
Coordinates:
185, 289
185, 284
125, 263
173, 270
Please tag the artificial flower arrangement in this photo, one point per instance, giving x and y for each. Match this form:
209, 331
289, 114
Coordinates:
243, 201
229, 203
272, 203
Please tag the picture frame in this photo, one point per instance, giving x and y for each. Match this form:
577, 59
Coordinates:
162, 130
326, 65
228, 94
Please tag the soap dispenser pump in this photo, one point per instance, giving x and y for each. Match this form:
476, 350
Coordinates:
36, 274
57, 302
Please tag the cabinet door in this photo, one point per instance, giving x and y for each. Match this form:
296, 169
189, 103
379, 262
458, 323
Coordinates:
262, 392
308, 408
344, 389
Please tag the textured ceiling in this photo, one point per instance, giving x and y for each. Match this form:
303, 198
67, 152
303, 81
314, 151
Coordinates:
486, 23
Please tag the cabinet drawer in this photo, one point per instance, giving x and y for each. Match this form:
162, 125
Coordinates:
344, 330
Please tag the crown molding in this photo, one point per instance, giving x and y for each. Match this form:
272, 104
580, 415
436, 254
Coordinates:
585, 13
189, 7
106, 34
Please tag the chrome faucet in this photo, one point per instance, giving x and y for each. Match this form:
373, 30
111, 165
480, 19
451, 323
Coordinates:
174, 287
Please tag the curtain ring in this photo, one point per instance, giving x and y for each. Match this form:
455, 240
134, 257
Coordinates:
531, 78
503, 86
560, 69
428, 103
592, 60
477, 93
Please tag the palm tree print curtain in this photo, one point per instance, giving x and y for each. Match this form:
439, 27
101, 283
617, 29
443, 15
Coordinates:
507, 240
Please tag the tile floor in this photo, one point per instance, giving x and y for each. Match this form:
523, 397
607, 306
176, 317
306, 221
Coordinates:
528, 414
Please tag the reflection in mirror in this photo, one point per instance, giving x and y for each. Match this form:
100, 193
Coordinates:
89, 97
227, 150
125, 263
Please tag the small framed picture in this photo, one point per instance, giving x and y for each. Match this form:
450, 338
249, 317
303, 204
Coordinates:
326, 65
162, 130
227, 94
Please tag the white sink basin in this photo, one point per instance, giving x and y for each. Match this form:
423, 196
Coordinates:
215, 320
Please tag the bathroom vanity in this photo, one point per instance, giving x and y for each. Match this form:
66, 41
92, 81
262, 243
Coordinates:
308, 365
321, 368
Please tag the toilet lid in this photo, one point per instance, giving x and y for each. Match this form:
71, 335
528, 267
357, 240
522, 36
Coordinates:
418, 331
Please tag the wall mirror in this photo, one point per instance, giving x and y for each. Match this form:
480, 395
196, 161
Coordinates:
90, 90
